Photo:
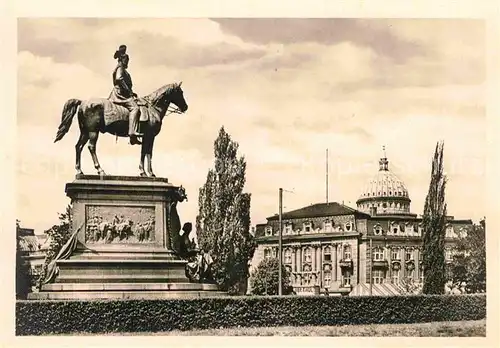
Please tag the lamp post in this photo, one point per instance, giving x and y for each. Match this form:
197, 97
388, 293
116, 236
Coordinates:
371, 267
280, 246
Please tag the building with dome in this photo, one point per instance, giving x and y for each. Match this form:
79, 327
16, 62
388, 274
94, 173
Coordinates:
374, 249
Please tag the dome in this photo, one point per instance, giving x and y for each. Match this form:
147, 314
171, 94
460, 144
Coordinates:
385, 193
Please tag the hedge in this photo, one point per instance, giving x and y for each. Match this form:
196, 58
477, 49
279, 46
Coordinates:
64, 317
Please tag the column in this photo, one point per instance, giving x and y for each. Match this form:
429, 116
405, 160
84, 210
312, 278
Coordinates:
300, 258
389, 264
321, 257
318, 264
334, 262
313, 257
402, 275
293, 258
416, 272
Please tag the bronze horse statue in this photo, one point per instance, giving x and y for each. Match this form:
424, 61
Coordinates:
101, 115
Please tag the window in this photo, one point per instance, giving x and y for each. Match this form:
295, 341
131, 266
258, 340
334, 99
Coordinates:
307, 255
267, 253
409, 255
288, 256
378, 276
378, 254
327, 278
395, 254
384, 205
415, 228
410, 273
269, 231
449, 231
402, 227
448, 254
327, 254
347, 252
348, 226
306, 279
346, 278
307, 227
395, 276
421, 271
328, 226
377, 230
288, 228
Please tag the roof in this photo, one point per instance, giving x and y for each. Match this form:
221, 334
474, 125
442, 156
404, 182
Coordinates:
29, 243
384, 184
319, 210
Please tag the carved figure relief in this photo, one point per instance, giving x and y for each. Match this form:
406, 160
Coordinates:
115, 224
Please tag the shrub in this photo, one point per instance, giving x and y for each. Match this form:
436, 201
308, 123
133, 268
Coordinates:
265, 279
63, 317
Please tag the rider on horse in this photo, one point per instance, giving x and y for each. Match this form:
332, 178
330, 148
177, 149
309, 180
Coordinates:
123, 95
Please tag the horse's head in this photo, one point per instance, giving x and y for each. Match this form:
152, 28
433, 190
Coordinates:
177, 97
164, 96
181, 194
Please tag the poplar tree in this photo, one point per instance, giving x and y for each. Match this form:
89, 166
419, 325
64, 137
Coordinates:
434, 224
223, 221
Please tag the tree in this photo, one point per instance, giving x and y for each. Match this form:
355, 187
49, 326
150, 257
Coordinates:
469, 261
434, 223
23, 277
58, 236
265, 279
223, 221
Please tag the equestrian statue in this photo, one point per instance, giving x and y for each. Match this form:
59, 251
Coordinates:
122, 114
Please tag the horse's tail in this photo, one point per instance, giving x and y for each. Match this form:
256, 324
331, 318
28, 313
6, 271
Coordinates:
68, 113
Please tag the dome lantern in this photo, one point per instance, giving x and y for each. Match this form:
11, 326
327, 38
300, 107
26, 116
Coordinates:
385, 193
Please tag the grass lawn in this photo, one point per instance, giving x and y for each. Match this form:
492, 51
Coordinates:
434, 329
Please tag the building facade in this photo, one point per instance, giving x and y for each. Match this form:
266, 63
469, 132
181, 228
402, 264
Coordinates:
33, 249
376, 248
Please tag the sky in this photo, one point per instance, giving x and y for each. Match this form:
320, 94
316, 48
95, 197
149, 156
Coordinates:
284, 89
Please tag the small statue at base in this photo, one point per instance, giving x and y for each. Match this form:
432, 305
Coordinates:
199, 267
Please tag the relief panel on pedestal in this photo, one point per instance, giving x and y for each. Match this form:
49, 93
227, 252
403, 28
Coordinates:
118, 224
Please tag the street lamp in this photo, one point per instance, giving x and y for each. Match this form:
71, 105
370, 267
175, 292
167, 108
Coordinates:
280, 246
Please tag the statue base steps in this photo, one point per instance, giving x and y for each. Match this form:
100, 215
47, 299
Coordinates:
124, 295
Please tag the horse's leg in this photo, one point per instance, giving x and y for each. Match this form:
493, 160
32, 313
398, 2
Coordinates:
78, 149
141, 163
149, 155
93, 136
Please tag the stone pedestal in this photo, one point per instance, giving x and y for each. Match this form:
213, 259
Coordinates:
126, 242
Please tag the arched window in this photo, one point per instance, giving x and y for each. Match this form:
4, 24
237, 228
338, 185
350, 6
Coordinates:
327, 254
395, 254
348, 226
288, 256
408, 254
378, 254
327, 278
307, 255
377, 230
347, 252
269, 231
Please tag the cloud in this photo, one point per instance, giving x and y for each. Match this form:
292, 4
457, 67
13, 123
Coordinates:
326, 31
